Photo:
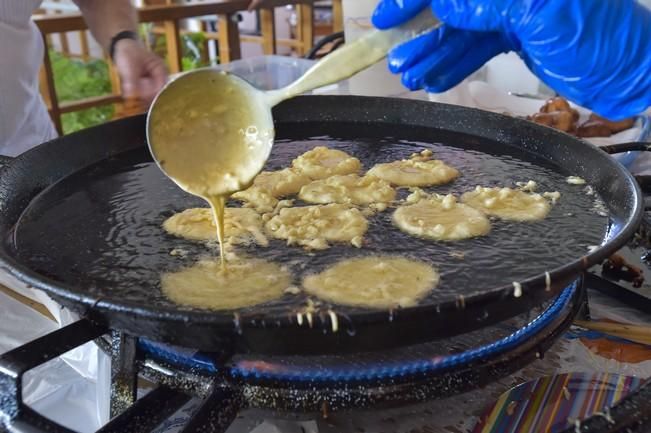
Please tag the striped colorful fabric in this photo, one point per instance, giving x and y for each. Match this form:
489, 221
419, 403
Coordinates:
551, 404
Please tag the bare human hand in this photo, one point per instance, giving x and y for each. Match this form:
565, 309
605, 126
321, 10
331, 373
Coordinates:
142, 73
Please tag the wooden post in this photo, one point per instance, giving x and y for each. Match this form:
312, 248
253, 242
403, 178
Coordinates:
65, 47
305, 27
52, 98
337, 16
49, 40
42, 86
169, 13
173, 43
229, 38
205, 53
268, 27
83, 42
116, 88
130, 107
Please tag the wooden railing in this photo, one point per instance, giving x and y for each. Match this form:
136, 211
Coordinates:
168, 18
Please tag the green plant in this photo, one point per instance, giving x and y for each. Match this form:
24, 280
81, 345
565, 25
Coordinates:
74, 80
192, 46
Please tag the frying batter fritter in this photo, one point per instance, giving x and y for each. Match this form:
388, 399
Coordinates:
441, 218
315, 226
269, 186
507, 203
349, 188
240, 225
244, 283
414, 172
322, 162
257, 198
374, 282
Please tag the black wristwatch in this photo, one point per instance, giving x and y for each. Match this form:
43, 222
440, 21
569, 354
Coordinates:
125, 34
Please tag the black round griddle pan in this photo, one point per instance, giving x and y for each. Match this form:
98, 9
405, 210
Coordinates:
60, 202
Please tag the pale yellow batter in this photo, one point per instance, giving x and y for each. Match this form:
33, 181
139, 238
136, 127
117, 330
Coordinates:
508, 203
322, 162
374, 282
257, 198
441, 218
423, 155
210, 149
269, 186
240, 225
414, 172
349, 188
243, 283
281, 183
314, 226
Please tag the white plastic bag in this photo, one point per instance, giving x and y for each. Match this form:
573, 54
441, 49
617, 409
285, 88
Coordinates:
73, 389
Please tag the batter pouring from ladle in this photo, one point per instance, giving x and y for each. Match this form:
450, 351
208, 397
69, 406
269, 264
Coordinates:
212, 132
185, 139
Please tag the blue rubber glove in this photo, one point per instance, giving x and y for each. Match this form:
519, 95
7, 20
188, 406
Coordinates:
596, 53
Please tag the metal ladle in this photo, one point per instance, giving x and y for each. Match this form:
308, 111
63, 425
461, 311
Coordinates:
212, 132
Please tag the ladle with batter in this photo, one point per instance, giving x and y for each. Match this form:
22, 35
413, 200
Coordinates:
211, 132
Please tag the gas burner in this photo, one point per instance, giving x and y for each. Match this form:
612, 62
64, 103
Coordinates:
288, 383
323, 384
402, 376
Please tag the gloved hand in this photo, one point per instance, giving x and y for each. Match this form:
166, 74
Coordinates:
596, 53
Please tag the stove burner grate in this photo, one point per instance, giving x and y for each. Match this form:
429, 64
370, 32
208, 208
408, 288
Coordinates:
368, 368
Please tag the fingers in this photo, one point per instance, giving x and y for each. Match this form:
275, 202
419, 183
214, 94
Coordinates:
153, 78
443, 57
408, 54
390, 13
158, 72
128, 86
439, 58
143, 77
484, 15
440, 79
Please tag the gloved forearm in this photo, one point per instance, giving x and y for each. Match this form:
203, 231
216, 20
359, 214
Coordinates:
597, 53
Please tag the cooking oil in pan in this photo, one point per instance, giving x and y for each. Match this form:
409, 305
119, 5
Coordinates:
100, 229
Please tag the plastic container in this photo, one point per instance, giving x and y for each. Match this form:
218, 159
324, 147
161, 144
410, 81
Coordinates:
268, 72
376, 80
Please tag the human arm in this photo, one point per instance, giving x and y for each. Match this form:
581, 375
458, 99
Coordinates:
594, 52
142, 73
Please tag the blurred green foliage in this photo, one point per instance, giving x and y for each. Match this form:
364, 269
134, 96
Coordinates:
192, 47
75, 79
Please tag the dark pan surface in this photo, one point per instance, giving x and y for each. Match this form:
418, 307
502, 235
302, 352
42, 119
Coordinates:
109, 173
101, 228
